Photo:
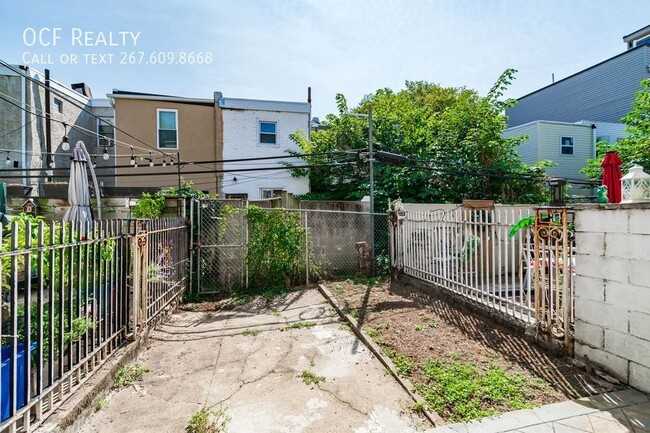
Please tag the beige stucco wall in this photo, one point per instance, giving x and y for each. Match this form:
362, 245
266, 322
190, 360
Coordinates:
197, 141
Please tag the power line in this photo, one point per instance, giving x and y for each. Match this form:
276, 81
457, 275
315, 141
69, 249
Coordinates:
81, 107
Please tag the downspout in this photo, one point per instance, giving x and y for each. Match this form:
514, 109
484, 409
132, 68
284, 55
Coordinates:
23, 134
48, 125
89, 163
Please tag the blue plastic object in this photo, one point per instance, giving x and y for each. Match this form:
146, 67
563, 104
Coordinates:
5, 378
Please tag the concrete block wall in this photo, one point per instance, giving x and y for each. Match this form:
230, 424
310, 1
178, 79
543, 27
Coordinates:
612, 290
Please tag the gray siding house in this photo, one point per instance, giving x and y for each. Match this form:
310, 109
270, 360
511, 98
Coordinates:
568, 145
603, 92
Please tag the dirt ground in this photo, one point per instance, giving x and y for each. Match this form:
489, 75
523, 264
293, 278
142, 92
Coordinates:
423, 327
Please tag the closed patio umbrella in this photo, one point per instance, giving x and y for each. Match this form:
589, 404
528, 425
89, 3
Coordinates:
78, 193
612, 176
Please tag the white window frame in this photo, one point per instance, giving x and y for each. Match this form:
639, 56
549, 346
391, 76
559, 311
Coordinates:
99, 139
59, 102
259, 133
562, 146
166, 110
263, 190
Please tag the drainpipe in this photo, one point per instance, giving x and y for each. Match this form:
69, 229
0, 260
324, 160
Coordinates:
23, 124
48, 124
309, 117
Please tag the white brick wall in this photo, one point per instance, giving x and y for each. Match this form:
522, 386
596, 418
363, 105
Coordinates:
612, 289
241, 140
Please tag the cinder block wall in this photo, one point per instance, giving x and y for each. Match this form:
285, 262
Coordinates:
612, 290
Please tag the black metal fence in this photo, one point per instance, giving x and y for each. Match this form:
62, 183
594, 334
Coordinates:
72, 294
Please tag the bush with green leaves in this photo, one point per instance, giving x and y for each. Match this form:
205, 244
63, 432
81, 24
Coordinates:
149, 206
276, 247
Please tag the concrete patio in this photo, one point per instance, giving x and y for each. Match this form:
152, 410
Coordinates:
218, 359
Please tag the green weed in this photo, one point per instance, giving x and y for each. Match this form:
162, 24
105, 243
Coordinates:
208, 421
403, 363
251, 332
101, 404
461, 392
129, 374
299, 325
309, 378
425, 326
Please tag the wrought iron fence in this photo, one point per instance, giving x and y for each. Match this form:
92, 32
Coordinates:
554, 263
470, 252
68, 294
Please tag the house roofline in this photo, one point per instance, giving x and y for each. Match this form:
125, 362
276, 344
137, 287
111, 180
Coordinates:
556, 122
636, 34
264, 105
584, 70
122, 94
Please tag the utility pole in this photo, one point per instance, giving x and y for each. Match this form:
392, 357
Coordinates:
371, 159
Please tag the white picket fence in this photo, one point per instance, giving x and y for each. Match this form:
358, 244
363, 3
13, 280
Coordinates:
470, 252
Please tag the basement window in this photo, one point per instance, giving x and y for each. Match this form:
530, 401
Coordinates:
566, 145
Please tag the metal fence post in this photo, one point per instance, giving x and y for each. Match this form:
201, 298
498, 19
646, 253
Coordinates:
306, 249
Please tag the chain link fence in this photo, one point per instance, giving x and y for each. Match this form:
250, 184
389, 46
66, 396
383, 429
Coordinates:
237, 247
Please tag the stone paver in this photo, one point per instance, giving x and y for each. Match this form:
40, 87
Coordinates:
219, 360
626, 411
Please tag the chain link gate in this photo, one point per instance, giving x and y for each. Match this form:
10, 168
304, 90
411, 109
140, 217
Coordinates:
219, 236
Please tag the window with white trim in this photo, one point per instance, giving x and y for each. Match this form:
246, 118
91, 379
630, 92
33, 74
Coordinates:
268, 133
566, 145
266, 193
167, 129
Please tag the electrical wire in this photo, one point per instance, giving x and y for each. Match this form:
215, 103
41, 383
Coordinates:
81, 107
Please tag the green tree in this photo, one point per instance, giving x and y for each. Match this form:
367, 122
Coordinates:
451, 135
635, 148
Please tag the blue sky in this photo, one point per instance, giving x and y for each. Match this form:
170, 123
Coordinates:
275, 49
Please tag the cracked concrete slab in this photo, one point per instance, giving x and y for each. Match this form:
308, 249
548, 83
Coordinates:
248, 361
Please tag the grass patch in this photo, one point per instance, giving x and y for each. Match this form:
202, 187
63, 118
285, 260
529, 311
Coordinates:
299, 325
309, 378
418, 407
251, 332
208, 421
403, 363
129, 374
354, 313
461, 392
276, 312
425, 326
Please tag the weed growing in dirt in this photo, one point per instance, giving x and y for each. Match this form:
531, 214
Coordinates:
299, 325
129, 374
251, 332
461, 392
208, 421
425, 326
309, 378
403, 363
375, 334
354, 314
276, 312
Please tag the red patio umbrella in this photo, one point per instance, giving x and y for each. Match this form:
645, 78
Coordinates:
612, 176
